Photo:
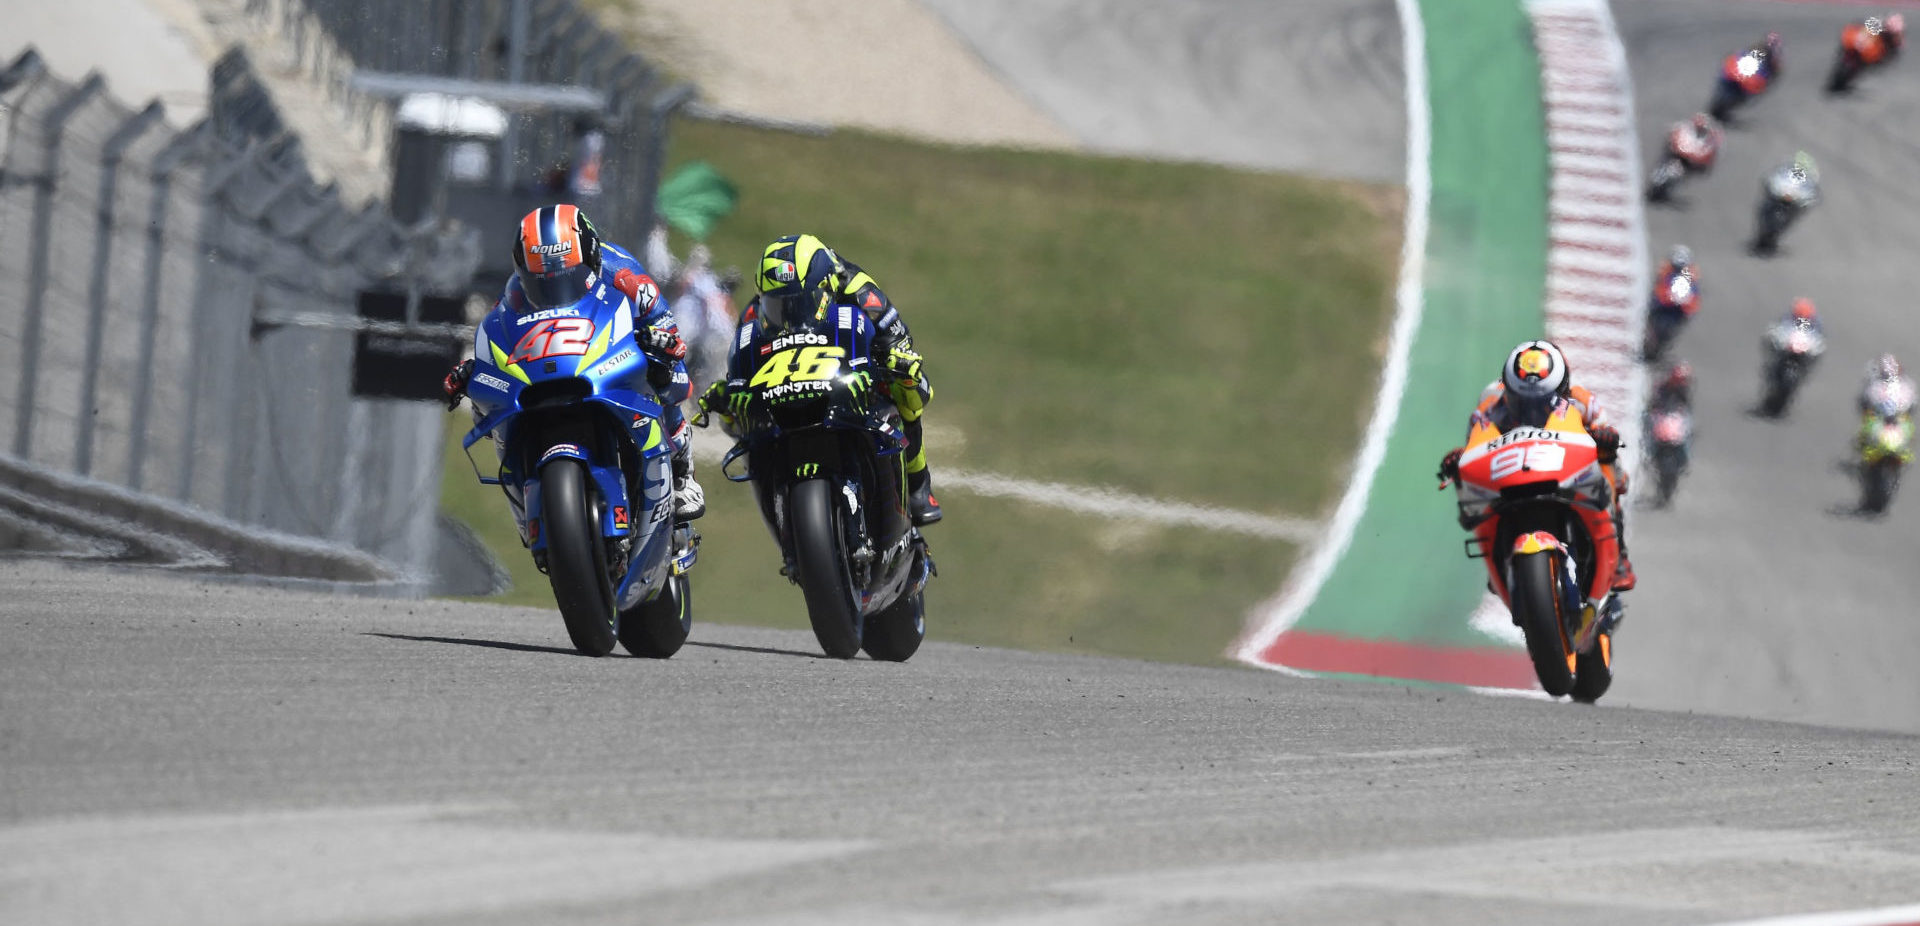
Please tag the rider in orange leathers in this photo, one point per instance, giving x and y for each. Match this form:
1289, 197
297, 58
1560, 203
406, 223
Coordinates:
1534, 384
1873, 40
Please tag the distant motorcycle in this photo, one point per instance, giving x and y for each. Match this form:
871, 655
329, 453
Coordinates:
1673, 303
1670, 430
1688, 152
1791, 351
1864, 45
1785, 195
1743, 77
1886, 447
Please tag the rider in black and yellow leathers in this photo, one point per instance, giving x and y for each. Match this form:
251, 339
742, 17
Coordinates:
799, 273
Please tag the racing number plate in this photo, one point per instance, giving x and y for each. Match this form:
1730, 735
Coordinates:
799, 365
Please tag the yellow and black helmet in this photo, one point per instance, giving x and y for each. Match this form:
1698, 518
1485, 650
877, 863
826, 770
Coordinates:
797, 277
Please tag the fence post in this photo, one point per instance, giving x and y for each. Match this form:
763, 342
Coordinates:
516, 73
39, 244
110, 156
212, 218
24, 68
663, 108
164, 164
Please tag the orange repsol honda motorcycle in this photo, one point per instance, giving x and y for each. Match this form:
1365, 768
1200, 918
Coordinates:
1539, 508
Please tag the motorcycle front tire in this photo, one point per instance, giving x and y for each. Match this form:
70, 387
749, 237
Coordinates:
1536, 602
576, 558
819, 547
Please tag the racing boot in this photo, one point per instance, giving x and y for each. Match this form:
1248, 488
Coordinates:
1623, 579
920, 501
689, 500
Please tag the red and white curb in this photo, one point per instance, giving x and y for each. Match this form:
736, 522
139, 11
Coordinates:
1596, 247
1597, 251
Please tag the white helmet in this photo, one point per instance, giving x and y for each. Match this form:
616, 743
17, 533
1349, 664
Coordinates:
1535, 374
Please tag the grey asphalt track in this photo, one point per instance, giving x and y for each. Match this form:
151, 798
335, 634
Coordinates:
1313, 86
181, 752
1761, 593
178, 750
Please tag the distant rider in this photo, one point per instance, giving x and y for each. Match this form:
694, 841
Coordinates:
1766, 55
1679, 263
1695, 142
1888, 392
1796, 183
1802, 317
1675, 389
1535, 383
1873, 39
558, 258
800, 274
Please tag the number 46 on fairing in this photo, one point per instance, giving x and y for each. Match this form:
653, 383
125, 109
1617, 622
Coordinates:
799, 365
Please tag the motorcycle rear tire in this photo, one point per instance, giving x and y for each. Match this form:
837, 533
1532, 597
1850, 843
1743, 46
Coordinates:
1773, 222
894, 633
1844, 71
576, 558
1593, 672
657, 629
1660, 185
1666, 479
1724, 100
819, 546
1882, 480
1775, 403
1536, 602
1659, 335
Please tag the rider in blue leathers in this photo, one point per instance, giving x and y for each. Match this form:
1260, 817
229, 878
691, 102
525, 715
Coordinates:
558, 258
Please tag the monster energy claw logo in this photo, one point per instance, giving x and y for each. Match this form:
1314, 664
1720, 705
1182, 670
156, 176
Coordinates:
805, 470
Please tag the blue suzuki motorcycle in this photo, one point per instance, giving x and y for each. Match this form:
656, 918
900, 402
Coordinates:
586, 465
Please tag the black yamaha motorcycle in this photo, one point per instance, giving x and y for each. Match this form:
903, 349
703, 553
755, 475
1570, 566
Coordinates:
823, 451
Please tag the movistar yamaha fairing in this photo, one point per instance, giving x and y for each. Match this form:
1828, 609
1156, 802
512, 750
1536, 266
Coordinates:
827, 470
586, 464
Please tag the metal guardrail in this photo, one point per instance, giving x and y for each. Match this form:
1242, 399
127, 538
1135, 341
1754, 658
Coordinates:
550, 63
185, 309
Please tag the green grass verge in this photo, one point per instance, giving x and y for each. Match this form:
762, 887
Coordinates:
1185, 331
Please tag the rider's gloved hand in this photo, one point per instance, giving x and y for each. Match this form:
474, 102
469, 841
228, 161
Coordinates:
663, 342
904, 363
1450, 465
1607, 440
454, 387
715, 398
